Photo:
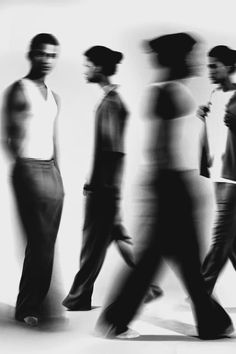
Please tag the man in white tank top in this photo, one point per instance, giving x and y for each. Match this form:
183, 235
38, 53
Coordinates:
31, 111
219, 117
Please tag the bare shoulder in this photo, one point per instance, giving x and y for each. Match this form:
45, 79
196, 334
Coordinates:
15, 97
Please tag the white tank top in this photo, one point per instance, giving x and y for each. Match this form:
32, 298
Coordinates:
217, 133
37, 139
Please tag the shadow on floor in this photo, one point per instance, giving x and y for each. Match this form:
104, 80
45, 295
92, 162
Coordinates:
172, 325
51, 324
188, 332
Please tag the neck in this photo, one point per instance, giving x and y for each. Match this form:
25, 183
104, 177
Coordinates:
38, 78
104, 81
227, 85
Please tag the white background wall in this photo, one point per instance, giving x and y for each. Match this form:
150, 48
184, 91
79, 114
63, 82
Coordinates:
122, 26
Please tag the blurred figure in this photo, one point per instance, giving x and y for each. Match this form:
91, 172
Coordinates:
102, 222
31, 110
220, 160
168, 224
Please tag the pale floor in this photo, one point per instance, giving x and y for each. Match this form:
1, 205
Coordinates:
166, 327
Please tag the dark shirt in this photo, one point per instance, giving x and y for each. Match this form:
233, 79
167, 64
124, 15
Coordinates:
110, 123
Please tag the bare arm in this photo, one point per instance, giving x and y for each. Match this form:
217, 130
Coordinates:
15, 111
230, 114
55, 133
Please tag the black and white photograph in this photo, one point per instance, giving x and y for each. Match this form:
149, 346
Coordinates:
118, 174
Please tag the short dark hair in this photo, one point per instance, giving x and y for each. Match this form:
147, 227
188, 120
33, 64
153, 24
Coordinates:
104, 57
172, 51
225, 55
42, 38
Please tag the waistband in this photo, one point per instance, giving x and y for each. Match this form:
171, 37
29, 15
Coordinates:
36, 162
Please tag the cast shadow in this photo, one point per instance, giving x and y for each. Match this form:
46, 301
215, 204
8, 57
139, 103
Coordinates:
50, 324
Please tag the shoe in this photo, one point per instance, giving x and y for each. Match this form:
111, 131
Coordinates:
80, 308
214, 322
216, 334
153, 293
110, 331
128, 334
31, 321
82, 305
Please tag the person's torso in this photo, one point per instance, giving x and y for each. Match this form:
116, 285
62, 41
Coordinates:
176, 138
38, 125
110, 123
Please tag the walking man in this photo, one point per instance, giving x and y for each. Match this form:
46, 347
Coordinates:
31, 111
102, 222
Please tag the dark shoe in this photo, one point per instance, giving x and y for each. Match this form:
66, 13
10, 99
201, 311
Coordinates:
73, 305
214, 322
79, 308
216, 334
153, 293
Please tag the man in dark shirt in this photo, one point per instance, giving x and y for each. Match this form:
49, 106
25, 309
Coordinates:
102, 222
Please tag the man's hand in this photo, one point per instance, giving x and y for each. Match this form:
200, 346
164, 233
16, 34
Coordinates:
203, 111
230, 120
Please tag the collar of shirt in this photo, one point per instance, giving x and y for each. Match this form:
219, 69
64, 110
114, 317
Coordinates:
108, 88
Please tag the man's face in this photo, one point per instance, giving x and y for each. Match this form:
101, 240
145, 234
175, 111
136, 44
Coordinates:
91, 72
43, 59
218, 72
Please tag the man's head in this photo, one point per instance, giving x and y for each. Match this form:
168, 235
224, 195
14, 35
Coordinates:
43, 53
172, 51
100, 61
222, 62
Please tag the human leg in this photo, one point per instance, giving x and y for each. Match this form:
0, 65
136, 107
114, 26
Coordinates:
223, 235
39, 194
99, 216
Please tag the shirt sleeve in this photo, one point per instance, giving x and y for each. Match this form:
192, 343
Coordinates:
112, 127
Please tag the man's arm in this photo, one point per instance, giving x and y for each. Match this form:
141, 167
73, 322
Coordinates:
230, 114
55, 132
15, 110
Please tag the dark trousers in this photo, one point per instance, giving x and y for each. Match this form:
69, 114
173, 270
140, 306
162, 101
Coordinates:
39, 195
169, 231
224, 235
100, 229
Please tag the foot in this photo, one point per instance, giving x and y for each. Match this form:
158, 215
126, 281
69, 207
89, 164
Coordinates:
79, 308
153, 293
108, 330
77, 305
216, 334
31, 321
128, 334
